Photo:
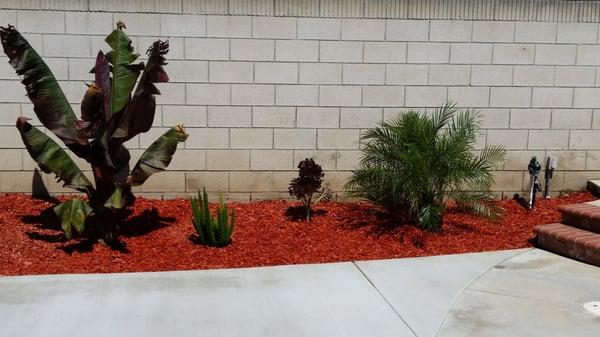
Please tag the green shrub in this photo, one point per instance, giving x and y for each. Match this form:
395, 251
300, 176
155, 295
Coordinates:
414, 164
213, 232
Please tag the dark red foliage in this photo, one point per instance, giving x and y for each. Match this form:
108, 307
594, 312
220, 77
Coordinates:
159, 236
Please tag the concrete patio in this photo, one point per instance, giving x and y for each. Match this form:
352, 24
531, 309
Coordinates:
508, 293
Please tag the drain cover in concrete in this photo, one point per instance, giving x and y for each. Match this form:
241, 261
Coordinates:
592, 308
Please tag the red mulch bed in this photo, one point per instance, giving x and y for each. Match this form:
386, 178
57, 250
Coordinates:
31, 244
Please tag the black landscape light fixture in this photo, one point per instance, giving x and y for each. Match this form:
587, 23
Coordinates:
534, 169
551, 164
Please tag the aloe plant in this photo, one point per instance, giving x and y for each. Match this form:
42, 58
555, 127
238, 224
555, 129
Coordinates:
212, 231
113, 111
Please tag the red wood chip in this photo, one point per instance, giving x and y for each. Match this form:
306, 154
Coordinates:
31, 244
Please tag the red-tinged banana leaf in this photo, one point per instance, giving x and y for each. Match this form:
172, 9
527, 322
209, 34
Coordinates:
49, 101
91, 112
72, 215
125, 73
121, 198
139, 114
102, 79
158, 156
51, 158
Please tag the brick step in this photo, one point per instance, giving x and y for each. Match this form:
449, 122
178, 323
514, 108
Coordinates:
585, 216
569, 241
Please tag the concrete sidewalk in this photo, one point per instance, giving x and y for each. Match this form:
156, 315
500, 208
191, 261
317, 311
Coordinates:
507, 293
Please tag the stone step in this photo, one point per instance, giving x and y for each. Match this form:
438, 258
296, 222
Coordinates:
585, 216
569, 241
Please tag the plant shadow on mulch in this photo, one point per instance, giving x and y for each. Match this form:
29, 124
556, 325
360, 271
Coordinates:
298, 213
148, 221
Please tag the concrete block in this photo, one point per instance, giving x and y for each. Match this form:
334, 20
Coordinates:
139, 24
385, 52
348, 160
510, 139
513, 53
229, 116
449, 74
318, 117
231, 72
162, 182
325, 158
8, 16
88, 23
319, 28
274, 27
332, 95
211, 181
274, 117
12, 159
429, 96
592, 161
406, 74
227, 160
471, 53
320, 73
507, 180
295, 138
9, 112
577, 33
576, 180
421, 52
455, 31
495, 118
206, 49
493, 31
569, 160
571, 118
266, 72
252, 50
530, 118
469, 97
300, 95
338, 139
548, 139
297, 50
170, 93
209, 94
252, 94
40, 22
363, 29
518, 160
535, 32
250, 181
595, 119
555, 54
341, 51
229, 26
586, 98
575, 76
336, 180
383, 96
588, 55
188, 160
407, 30
79, 69
35, 40
207, 138
276, 160
58, 66
188, 115
516, 97
183, 25
12, 92
533, 76
67, 45
16, 181
360, 117
363, 74
187, 71
584, 139
552, 97
252, 138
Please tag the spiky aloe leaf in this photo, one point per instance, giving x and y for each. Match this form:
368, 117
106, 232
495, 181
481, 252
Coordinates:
72, 215
51, 158
124, 72
49, 101
158, 156
139, 114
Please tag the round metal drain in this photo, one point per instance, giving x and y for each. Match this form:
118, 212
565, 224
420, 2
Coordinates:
592, 308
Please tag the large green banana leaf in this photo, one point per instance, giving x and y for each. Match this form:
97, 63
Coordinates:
49, 101
158, 156
139, 114
124, 72
72, 215
51, 158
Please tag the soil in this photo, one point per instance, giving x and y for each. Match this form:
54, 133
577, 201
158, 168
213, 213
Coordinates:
159, 236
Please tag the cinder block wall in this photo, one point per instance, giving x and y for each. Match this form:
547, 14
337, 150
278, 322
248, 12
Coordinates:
261, 87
